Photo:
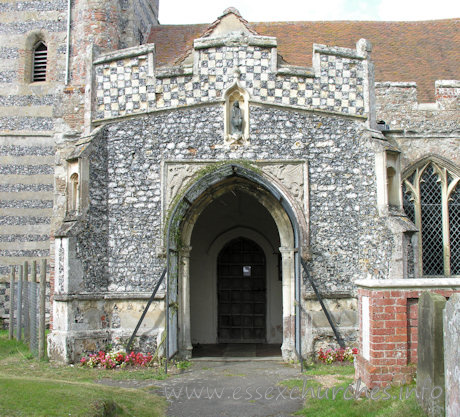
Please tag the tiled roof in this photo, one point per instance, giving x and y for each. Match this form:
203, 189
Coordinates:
423, 51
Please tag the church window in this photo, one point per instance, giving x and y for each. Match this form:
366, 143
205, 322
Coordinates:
74, 193
431, 199
393, 179
454, 230
40, 58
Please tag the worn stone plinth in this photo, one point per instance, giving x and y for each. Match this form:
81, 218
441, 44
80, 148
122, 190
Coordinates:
451, 319
430, 353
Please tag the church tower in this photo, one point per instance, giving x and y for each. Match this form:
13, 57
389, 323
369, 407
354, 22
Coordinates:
101, 26
46, 49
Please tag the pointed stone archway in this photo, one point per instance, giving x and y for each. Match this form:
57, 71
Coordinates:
227, 179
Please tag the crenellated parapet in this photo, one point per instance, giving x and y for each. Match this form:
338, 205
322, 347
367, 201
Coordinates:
124, 82
448, 94
128, 83
398, 106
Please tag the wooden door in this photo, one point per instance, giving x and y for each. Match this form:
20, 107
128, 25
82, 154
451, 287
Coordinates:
241, 292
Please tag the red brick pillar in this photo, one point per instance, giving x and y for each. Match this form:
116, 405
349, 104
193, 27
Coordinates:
383, 354
388, 327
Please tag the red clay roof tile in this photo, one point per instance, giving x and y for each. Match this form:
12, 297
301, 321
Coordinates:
402, 51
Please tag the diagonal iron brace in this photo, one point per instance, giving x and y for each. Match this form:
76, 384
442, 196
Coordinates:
323, 306
145, 310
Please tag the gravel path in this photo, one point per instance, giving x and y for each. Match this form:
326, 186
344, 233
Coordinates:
226, 388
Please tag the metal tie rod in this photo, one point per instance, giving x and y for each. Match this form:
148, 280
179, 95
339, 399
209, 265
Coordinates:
326, 312
145, 310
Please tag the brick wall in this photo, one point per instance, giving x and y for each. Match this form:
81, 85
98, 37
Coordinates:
392, 335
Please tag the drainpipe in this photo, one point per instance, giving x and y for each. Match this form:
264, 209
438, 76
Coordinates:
67, 64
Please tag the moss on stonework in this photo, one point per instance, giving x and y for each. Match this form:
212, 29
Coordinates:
207, 170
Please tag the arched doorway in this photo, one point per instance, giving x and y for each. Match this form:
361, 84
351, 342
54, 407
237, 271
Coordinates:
283, 265
231, 229
241, 293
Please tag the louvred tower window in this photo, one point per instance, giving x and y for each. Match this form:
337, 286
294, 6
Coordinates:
40, 58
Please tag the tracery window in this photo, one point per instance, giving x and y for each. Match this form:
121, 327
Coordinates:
431, 195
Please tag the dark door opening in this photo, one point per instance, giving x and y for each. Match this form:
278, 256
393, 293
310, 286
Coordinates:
241, 293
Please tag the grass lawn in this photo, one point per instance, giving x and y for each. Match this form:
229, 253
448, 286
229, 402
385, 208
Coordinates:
324, 386
31, 388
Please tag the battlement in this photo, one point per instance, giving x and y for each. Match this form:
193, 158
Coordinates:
128, 83
397, 104
447, 93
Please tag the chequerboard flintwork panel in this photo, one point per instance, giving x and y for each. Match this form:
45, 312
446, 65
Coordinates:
122, 87
130, 84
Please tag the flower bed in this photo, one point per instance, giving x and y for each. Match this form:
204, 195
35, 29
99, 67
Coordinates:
117, 359
337, 355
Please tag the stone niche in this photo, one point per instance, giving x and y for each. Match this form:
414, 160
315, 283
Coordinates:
236, 114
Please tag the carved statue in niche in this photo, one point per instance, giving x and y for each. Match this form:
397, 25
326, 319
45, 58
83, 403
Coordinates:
236, 113
236, 122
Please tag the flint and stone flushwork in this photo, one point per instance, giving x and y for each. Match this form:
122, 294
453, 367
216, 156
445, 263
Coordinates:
129, 85
126, 217
28, 119
101, 153
152, 119
32, 113
132, 209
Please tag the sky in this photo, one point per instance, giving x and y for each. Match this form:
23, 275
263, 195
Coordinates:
206, 11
